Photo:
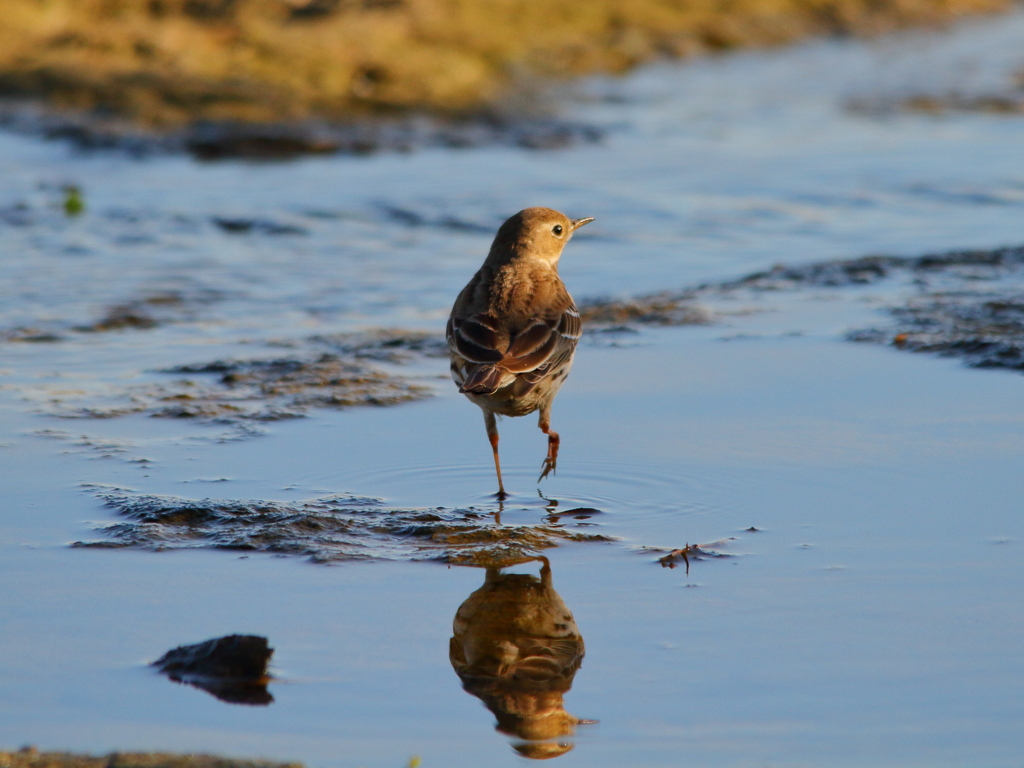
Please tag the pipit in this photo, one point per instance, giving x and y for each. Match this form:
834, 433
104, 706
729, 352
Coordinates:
513, 330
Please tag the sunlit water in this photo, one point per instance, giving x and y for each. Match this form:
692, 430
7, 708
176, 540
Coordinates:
873, 619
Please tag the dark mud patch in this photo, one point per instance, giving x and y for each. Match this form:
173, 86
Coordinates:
283, 387
385, 345
29, 757
214, 141
967, 304
654, 309
234, 669
411, 218
261, 226
1008, 102
154, 309
148, 311
986, 330
963, 265
327, 530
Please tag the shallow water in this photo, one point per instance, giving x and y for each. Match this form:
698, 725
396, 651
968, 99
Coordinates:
872, 619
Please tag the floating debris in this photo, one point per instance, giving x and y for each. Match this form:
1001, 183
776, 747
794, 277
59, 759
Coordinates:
30, 757
326, 530
232, 668
690, 552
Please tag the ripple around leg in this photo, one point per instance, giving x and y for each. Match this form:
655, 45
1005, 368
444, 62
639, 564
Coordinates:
606, 486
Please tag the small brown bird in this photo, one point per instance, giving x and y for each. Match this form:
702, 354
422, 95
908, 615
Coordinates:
514, 327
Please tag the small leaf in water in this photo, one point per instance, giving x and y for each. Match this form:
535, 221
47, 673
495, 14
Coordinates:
415, 762
73, 203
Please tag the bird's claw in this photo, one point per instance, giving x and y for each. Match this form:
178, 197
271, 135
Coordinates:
547, 468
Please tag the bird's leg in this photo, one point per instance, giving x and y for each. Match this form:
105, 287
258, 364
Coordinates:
492, 434
551, 459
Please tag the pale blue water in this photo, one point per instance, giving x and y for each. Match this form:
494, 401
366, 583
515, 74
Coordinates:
874, 620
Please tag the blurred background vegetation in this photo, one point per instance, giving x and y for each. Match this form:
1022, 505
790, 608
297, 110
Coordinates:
165, 63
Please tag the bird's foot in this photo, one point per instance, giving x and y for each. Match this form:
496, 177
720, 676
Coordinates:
551, 461
548, 467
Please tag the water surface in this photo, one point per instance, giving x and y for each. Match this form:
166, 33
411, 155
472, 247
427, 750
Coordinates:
873, 618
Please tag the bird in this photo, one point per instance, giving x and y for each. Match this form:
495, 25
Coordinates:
513, 329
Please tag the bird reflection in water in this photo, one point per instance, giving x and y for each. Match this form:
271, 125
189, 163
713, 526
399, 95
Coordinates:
516, 647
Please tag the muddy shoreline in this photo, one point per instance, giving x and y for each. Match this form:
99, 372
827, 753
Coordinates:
280, 78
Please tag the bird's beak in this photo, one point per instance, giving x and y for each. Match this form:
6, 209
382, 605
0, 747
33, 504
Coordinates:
577, 223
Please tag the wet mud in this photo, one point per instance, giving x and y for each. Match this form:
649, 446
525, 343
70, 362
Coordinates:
146, 312
29, 757
327, 371
213, 141
655, 309
516, 647
986, 330
966, 304
232, 668
326, 530
1008, 101
956, 265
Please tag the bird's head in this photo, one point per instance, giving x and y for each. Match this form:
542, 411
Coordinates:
534, 234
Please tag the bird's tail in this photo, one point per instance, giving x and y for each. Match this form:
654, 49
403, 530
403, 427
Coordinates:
485, 380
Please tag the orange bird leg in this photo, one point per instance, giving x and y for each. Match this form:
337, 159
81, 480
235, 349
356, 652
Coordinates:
552, 458
492, 434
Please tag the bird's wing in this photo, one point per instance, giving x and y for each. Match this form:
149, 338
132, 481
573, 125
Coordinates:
543, 342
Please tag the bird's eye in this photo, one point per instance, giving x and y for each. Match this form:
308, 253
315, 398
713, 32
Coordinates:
557, 229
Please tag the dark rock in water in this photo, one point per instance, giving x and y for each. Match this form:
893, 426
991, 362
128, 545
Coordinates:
331, 529
232, 668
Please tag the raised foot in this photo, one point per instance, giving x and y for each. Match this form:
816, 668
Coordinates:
551, 460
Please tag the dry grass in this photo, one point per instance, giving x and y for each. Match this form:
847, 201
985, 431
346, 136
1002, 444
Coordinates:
168, 62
